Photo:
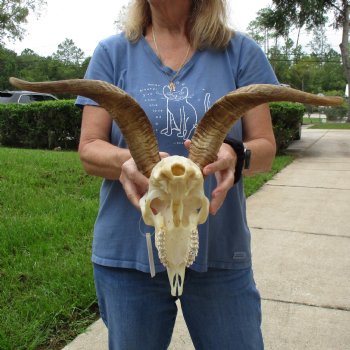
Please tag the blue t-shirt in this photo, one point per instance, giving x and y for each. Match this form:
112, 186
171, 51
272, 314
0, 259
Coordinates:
119, 231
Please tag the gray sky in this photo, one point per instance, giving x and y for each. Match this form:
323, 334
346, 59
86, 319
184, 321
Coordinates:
86, 24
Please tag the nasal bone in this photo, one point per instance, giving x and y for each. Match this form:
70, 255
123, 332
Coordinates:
178, 210
178, 169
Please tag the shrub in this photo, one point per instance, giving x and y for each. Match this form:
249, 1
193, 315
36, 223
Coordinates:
57, 124
311, 109
336, 113
287, 119
40, 125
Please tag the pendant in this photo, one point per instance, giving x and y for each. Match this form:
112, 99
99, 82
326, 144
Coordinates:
172, 86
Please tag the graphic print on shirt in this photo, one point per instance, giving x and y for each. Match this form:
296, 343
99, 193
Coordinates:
173, 109
180, 113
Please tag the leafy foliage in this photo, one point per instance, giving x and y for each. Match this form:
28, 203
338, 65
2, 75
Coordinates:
40, 125
13, 14
30, 66
336, 113
287, 119
285, 15
57, 123
67, 52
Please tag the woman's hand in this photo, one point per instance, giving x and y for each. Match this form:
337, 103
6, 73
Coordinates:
224, 170
135, 184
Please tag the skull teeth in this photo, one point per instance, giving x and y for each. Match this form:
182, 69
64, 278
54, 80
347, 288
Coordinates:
193, 248
160, 244
160, 241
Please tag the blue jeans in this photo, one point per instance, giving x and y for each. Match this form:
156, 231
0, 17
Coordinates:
221, 309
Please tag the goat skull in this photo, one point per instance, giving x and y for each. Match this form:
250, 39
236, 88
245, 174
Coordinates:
175, 205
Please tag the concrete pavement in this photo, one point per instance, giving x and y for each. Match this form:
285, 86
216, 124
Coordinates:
300, 223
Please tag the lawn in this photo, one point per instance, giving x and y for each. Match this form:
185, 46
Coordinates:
340, 126
48, 207
315, 123
252, 184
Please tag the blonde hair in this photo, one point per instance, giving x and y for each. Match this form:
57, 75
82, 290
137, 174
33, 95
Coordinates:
207, 23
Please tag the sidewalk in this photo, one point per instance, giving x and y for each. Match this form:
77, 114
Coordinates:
300, 224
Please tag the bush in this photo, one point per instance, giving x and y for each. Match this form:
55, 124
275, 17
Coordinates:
311, 109
287, 119
57, 124
336, 113
40, 125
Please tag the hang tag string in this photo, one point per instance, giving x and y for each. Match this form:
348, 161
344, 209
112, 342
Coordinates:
140, 230
150, 255
149, 250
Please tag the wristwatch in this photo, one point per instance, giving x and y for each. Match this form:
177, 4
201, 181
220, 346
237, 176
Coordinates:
243, 156
247, 156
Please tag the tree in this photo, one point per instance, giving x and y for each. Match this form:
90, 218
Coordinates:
280, 63
261, 29
331, 77
319, 44
303, 74
13, 14
30, 66
69, 53
288, 14
8, 67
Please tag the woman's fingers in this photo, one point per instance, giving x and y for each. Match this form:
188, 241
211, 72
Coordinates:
163, 154
134, 183
224, 180
224, 170
216, 202
187, 144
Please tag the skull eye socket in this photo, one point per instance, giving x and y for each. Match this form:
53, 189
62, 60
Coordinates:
191, 210
157, 205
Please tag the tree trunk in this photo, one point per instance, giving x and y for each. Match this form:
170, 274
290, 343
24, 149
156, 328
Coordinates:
298, 37
344, 49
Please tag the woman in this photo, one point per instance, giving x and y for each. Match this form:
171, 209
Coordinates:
176, 57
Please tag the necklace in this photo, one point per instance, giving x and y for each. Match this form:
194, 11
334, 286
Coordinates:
171, 84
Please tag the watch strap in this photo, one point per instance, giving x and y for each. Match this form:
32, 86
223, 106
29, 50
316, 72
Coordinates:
239, 149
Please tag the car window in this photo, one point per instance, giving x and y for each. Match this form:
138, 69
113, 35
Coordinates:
5, 97
24, 99
34, 98
38, 98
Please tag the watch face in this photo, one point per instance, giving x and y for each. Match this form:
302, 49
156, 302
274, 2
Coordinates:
247, 155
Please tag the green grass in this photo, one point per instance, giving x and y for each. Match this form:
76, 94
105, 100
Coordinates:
317, 124
48, 207
340, 126
253, 183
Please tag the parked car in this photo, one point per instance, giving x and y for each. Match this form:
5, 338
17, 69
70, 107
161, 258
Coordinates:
24, 97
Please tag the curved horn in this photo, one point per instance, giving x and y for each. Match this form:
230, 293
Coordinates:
218, 120
129, 116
